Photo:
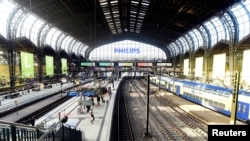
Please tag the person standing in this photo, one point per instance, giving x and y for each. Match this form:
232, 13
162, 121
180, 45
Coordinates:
32, 121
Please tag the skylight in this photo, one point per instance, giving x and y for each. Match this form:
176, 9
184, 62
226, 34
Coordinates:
112, 16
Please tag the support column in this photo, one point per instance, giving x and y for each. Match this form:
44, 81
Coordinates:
40, 57
191, 65
58, 70
206, 66
12, 63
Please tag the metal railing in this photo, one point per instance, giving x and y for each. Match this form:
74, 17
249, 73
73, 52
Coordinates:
10, 131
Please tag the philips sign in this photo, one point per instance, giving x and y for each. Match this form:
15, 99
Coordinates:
126, 50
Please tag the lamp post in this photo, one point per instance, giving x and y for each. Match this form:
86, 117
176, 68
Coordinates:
160, 81
147, 134
61, 88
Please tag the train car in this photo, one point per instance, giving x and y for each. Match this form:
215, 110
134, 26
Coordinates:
168, 83
153, 79
214, 97
243, 110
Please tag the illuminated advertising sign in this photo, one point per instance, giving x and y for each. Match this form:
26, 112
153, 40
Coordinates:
164, 64
125, 64
49, 61
64, 65
161, 64
27, 65
105, 64
127, 50
87, 64
144, 64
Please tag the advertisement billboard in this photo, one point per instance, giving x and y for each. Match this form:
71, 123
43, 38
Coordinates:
64, 65
27, 65
144, 64
125, 64
105, 64
49, 61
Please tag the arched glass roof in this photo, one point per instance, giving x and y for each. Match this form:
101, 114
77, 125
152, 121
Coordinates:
36, 29
32, 27
216, 28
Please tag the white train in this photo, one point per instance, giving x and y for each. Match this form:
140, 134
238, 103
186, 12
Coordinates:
214, 97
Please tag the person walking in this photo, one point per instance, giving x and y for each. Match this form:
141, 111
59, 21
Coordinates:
88, 108
92, 99
98, 100
92, 117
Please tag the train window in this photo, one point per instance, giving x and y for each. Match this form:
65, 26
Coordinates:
210, 102
206, 100
244, 108
192, 96
227, 94
200, 89
207, 89
220, 93
221, 105
199, 98
216, 92
213, 92
216, 103
185, 93
239, 106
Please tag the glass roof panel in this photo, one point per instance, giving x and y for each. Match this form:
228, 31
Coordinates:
185, 44
212, 31
5, 9
220, 29
49, 36
194, 38
54, 39
242, 16
35, 31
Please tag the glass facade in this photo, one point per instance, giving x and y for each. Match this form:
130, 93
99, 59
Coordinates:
127, 50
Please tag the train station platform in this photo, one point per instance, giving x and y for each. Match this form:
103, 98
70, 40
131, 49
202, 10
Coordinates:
28, 97
79, 118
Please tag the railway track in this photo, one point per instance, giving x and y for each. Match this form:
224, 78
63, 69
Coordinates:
170, 120
41, 112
